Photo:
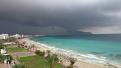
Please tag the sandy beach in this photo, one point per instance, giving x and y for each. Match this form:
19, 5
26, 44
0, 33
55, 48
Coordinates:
64, 58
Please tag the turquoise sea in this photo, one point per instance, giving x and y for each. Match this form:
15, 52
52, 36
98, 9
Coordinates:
93, 47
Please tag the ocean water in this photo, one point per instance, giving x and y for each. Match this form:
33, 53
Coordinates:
104, 49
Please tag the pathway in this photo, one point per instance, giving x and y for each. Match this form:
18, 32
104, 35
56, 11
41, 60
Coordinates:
3, 66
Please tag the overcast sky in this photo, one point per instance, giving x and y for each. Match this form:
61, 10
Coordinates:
60, 16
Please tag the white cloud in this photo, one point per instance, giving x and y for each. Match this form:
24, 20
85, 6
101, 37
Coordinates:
103, 30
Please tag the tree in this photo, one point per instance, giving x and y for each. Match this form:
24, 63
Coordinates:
52, 60
72, 62
18, 66
33, 48
2, 58
9, 59
48, 53
17, 43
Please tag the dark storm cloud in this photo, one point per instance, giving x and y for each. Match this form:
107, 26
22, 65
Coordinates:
62, 15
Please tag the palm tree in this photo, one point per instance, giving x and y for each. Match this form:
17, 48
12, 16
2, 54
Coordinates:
23, 44
17, 43
33, 48
48, 53
9, 59
19, 66
72, 62
52, 60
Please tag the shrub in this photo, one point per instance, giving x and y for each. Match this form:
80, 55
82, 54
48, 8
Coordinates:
19, 66
52, 60
1, 46
70, 66
38, 52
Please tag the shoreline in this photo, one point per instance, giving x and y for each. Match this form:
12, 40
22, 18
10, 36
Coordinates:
80, 62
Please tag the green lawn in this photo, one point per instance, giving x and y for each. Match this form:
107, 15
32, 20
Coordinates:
35, 62
15, 49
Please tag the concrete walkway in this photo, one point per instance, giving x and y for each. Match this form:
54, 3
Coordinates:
24, 54
3, 66
21, 54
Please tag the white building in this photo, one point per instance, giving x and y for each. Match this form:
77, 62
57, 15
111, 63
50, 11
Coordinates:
9, 43
3, 51
17, 36
4, 36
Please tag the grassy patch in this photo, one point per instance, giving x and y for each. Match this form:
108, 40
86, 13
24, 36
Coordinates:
36, 62
15, 49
